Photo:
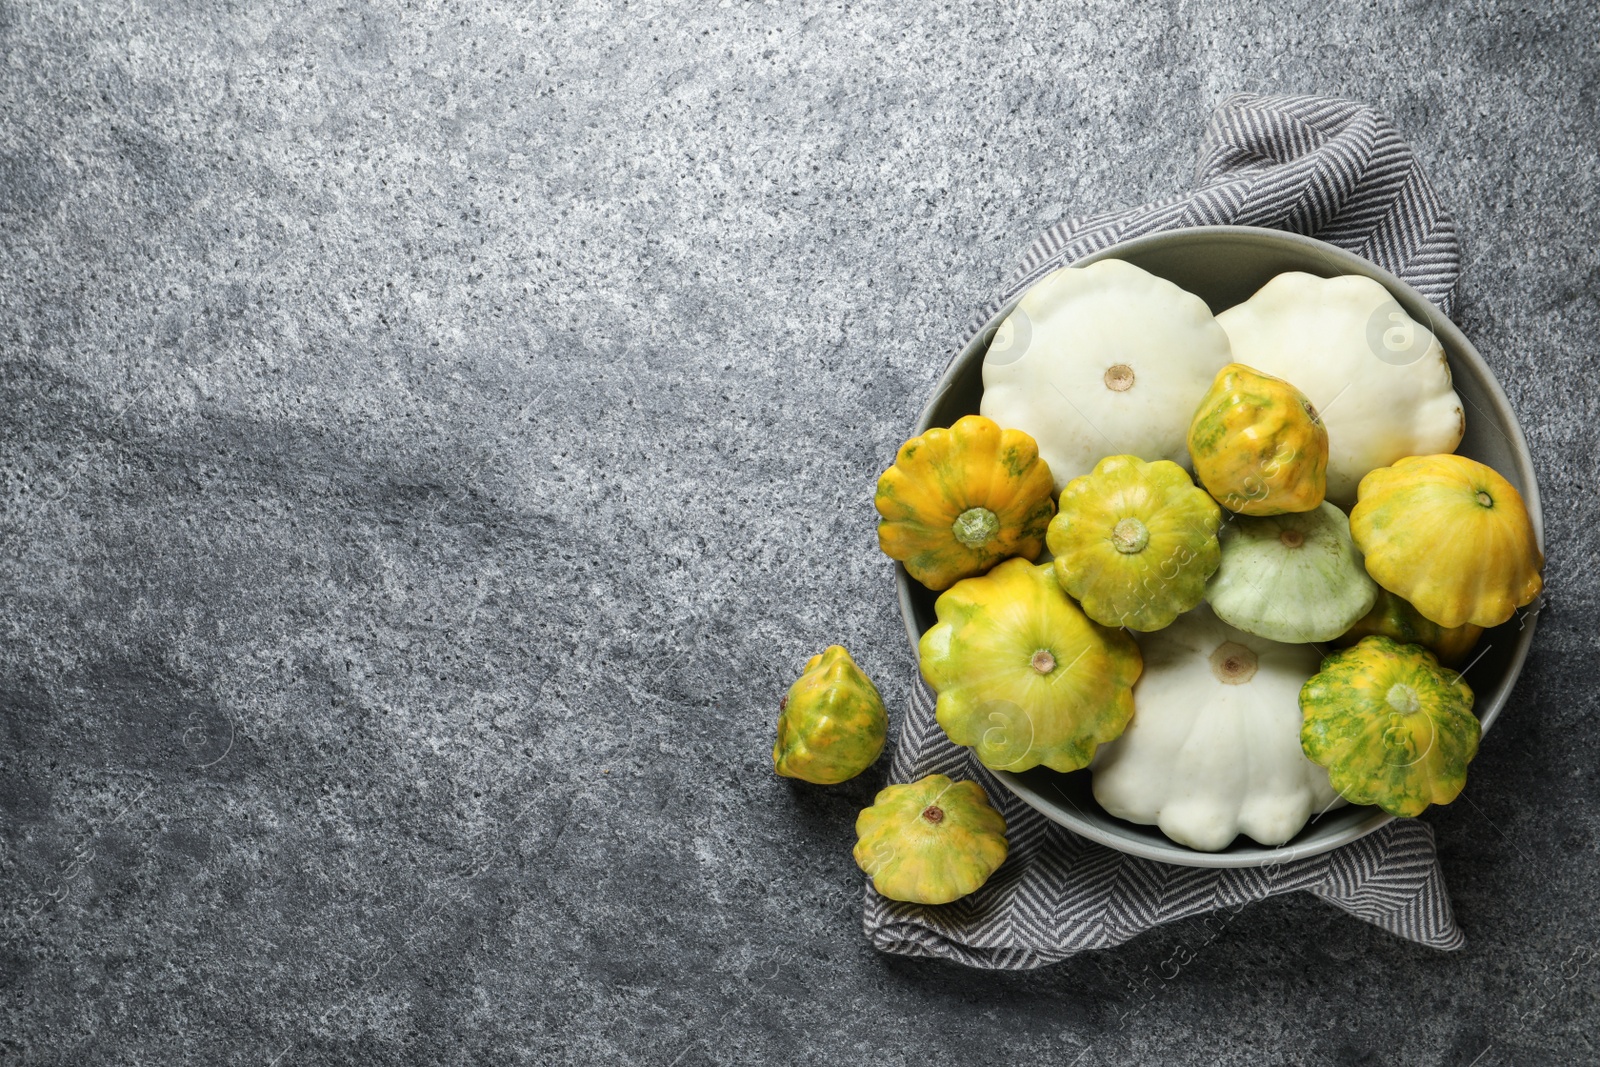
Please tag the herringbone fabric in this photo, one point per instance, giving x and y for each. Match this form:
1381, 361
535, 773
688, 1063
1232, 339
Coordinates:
1336, 170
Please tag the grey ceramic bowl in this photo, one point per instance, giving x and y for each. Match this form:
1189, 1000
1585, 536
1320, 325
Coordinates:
1224, 265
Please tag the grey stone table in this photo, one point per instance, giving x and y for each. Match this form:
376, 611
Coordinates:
434, 435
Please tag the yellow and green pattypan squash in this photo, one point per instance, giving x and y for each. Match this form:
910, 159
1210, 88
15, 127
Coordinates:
1295, 578
1451, 536
1393, 727
1258, 445
1023, 676
1214, 749
958, 501
1378, 378
1135, 542
1394, 618
832, 724
1100, 359
930, 842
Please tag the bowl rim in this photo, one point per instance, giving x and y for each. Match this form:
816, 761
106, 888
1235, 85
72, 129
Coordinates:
1457, 347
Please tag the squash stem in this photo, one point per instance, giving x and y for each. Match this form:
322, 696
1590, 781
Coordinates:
1403, 699
1130, 536
1233, 663
975, 527
1119, 378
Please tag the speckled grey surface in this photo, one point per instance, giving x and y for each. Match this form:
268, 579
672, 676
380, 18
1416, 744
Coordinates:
434, 435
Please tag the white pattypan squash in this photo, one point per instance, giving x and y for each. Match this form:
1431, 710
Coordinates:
1213, 750
1103, 360
1378, 378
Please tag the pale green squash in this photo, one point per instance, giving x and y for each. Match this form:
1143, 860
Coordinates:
1294, 578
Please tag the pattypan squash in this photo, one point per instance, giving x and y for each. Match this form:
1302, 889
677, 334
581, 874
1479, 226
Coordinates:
1258, 445
931, 841
1214, 750
1394, 618
958, 501
1134, 542
1378, 378
1099, 360
1023, 676
1393, 727
832, 725
1451, 536
1295, 577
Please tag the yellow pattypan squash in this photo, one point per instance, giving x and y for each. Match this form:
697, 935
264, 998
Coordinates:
1393, 727
1451, 536
1023, 676
832, 725
1258, 445
1392, 617
930, 842
958, 501
1135, 542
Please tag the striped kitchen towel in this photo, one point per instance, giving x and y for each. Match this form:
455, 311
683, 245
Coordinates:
1336, 170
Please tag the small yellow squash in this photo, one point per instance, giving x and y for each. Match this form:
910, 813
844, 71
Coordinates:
1393, 727
1258, 445
958, 501
1135, 542
1024, 677
1392, 617
931, 841
832, 724
1451, 536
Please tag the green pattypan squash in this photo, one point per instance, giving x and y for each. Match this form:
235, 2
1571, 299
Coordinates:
1134, 542
930, 842
1393, 727
832, 725
1023, 676
1295, 578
